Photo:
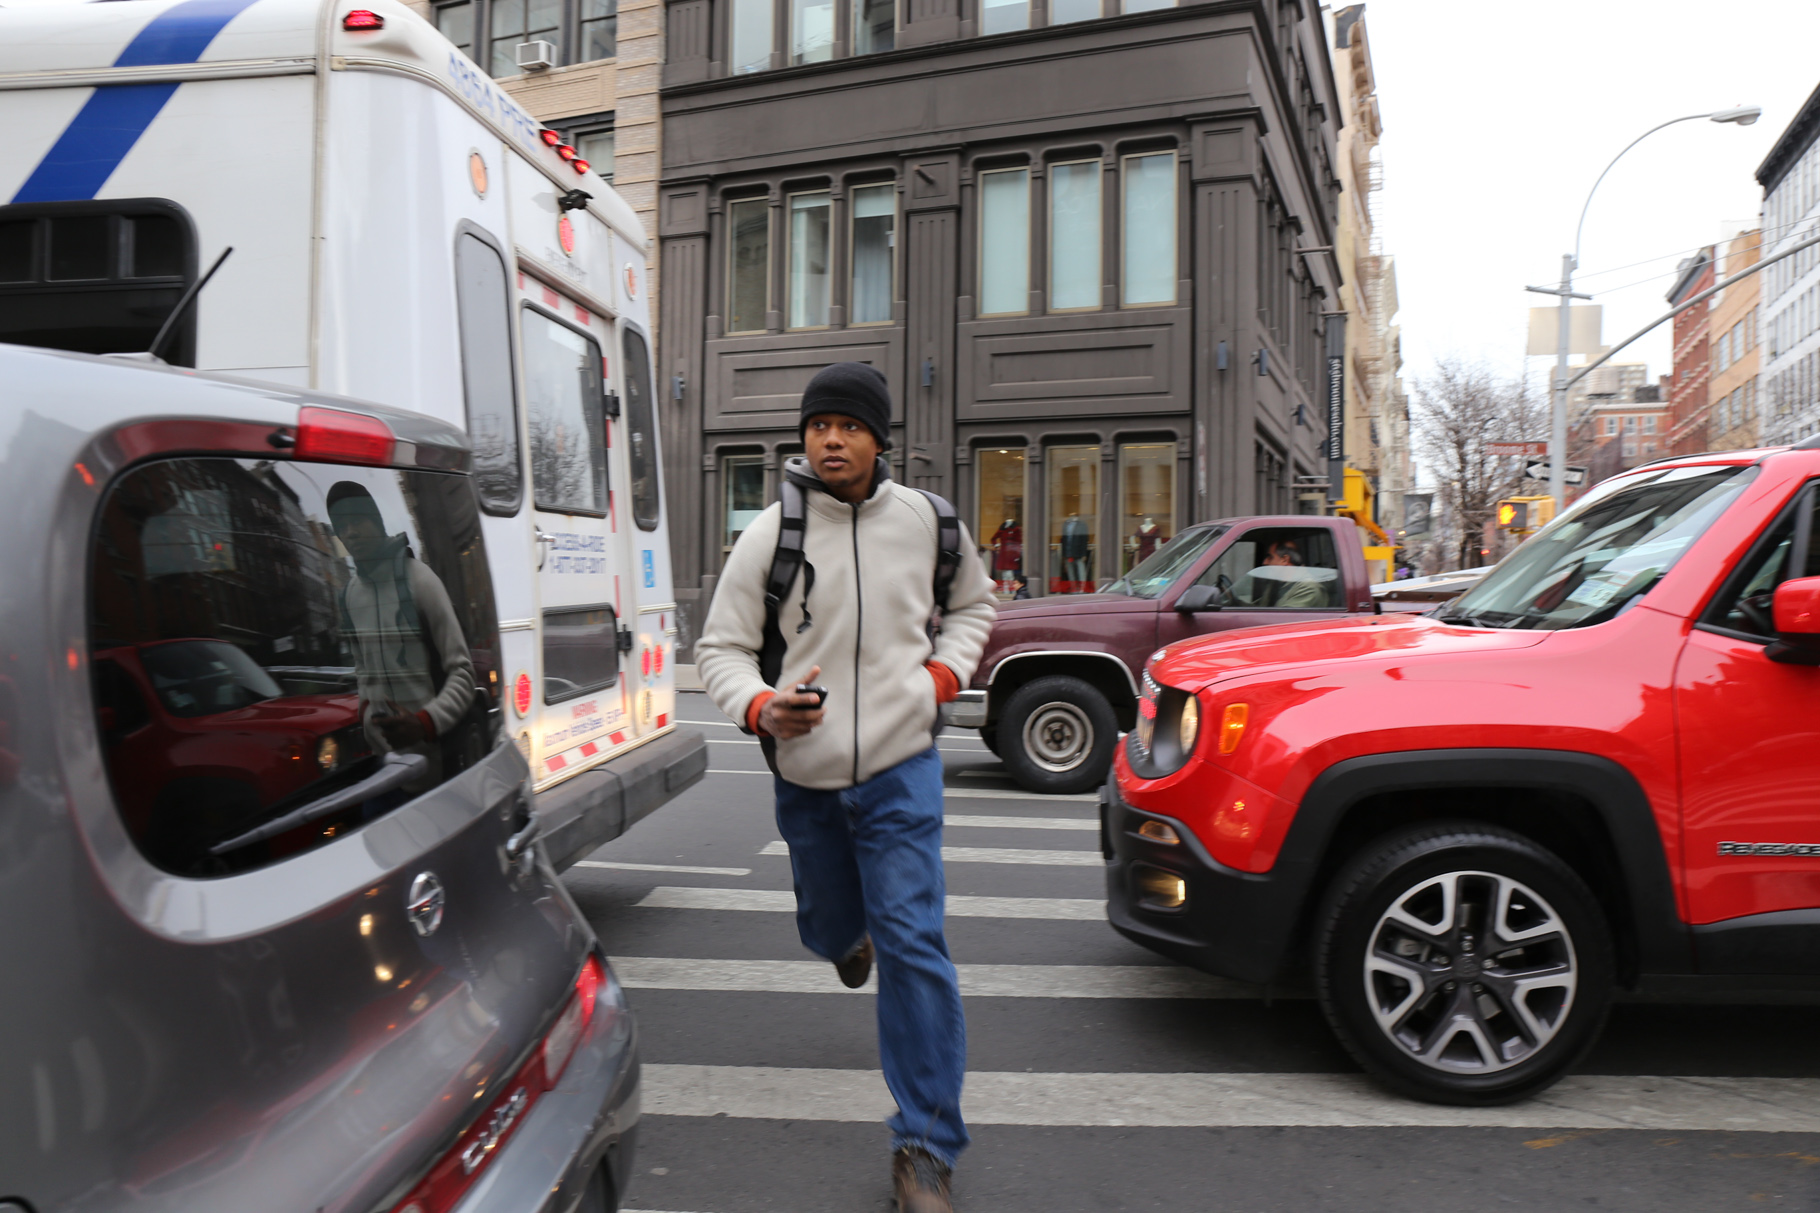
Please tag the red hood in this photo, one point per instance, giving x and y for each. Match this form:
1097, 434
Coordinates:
1204, 660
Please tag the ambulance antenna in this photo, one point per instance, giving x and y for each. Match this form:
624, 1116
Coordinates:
189, 296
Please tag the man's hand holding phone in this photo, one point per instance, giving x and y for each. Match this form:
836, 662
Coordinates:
790, 714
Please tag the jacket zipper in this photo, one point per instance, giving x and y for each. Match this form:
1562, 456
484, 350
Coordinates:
859, 596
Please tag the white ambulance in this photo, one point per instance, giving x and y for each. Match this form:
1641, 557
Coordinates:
402, 232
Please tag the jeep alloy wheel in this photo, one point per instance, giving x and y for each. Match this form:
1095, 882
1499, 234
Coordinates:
1463, 964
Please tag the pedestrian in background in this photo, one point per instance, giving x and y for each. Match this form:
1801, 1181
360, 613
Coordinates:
858, 780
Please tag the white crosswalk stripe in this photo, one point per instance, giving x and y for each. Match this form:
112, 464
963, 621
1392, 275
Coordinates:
1066, 859
618, 866
976, 981
783, 901
1021, 823
1780, 1105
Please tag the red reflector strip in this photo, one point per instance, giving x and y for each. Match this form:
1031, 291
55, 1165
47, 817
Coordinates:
581, 317
556, 762
589, 750
332, 436
361, 18
551, 298
618, 739
663, 719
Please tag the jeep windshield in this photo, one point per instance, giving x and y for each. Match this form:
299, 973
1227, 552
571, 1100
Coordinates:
1599, 559
1158, 571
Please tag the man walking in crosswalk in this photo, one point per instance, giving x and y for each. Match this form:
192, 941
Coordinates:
838, 584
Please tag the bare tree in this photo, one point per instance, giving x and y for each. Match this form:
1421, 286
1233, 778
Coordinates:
1457, 410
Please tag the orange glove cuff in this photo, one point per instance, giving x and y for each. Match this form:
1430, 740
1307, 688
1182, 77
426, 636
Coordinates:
947, 686
754, 708
429, 726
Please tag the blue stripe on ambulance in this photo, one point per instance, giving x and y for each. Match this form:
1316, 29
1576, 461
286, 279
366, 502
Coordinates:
111, 122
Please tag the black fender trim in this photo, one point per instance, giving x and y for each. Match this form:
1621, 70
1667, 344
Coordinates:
1783, 943
1663, 941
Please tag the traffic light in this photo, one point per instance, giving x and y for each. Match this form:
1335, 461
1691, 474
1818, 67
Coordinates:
1513, 515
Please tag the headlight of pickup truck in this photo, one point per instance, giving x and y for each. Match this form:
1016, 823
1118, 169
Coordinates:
1168, 726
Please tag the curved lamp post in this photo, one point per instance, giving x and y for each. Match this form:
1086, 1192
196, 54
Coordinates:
1557, 438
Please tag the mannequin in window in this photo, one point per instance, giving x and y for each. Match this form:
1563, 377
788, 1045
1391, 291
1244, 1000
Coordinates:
1148, 536
1077, 555
1007, 552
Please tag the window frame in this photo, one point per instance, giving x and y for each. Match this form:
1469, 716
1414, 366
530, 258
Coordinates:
730, 204
568, 34
897, 210
789, 300
543, 650
729, 460
498, 509
979, 241
1175, 225
643, 520
526, 305
1766, 541
574, 130
1099, 244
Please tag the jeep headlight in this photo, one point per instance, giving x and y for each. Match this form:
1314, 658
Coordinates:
1168, 727
1188, 725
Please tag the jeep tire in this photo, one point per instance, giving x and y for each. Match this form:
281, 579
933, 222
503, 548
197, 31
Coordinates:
1462, 964
1056, 735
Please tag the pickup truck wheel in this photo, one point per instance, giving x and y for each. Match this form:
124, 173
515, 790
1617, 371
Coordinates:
1462, 964
989, 735
1057, 735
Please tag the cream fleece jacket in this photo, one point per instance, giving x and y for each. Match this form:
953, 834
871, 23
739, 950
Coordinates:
873, 592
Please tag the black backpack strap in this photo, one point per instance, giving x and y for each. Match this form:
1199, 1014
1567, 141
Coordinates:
947, 547
786, 563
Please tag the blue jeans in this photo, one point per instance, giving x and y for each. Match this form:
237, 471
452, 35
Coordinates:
869, 859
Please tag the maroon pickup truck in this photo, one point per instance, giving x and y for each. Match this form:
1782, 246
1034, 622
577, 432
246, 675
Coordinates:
1058, 681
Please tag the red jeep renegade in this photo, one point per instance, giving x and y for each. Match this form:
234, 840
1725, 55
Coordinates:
1600, 764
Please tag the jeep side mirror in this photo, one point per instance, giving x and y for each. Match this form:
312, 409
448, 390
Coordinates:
1198, 598
1796, 606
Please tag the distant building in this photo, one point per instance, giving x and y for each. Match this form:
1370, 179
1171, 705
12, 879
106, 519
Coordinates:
1732, 415
1377, 411
1619, 431
1790, 307
1687, 403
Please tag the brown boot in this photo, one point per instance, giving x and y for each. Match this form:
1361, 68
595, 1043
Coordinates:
921, 1181
857, 966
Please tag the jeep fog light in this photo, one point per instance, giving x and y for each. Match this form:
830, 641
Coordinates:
1160, 890
1156, 831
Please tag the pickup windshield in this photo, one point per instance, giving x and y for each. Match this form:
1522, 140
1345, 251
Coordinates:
1159, 571
1602, 556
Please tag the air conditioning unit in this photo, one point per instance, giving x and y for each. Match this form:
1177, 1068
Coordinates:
536, 56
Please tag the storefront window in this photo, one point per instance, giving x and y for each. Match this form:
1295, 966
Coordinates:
1147, 500
1074, 518
874, 216
1149, 236
1074, 235
1005, 242
749, 264
1000, 526
744, 476
808, 260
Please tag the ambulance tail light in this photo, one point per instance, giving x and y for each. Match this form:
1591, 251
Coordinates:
332, 436
579, 165
550, 138
565, 151
362, 19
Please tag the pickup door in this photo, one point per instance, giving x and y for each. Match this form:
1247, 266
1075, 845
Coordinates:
1274, 572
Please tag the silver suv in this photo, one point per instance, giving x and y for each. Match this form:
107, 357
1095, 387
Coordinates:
275, 928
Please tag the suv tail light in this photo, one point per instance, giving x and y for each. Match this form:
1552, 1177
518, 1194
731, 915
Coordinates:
462, 1164
332, 436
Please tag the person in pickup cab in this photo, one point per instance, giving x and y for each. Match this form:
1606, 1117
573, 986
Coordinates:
858, 780
1288, 594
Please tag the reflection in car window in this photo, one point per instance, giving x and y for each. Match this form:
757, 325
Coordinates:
565, 400
1158, 572
283, 652
1278, 568
1747, 602
1604, 554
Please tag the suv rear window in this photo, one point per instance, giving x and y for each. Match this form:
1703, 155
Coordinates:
283, 652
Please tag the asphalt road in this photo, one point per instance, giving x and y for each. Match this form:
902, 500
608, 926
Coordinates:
1103, 1077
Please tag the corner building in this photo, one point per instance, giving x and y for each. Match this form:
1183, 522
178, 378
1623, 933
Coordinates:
1091, 250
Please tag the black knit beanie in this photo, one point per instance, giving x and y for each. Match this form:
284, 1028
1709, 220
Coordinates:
851, 389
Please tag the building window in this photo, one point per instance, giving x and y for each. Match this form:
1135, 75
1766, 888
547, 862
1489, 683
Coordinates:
1144, 6
874, 26
1005, 242
808, 282
874, 237
1000, 525
512, 22
1146, 500
1003, 16
596, 147
1074, 518
1611, 426
1074, 235
752, 34
1649, 424
1149, 230
1062, 12
1630, 425
748, 265
456, 23
598, 30
811, 31
744, 478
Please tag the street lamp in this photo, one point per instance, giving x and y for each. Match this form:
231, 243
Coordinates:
1557, 439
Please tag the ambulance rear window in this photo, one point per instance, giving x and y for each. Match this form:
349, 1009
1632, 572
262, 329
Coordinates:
97, 277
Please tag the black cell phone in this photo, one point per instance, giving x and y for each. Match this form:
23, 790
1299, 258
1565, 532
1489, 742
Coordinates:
820, 693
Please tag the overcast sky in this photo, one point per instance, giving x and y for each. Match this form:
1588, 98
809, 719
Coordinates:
1497, 119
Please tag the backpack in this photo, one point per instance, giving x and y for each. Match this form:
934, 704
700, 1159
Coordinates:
787, 560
